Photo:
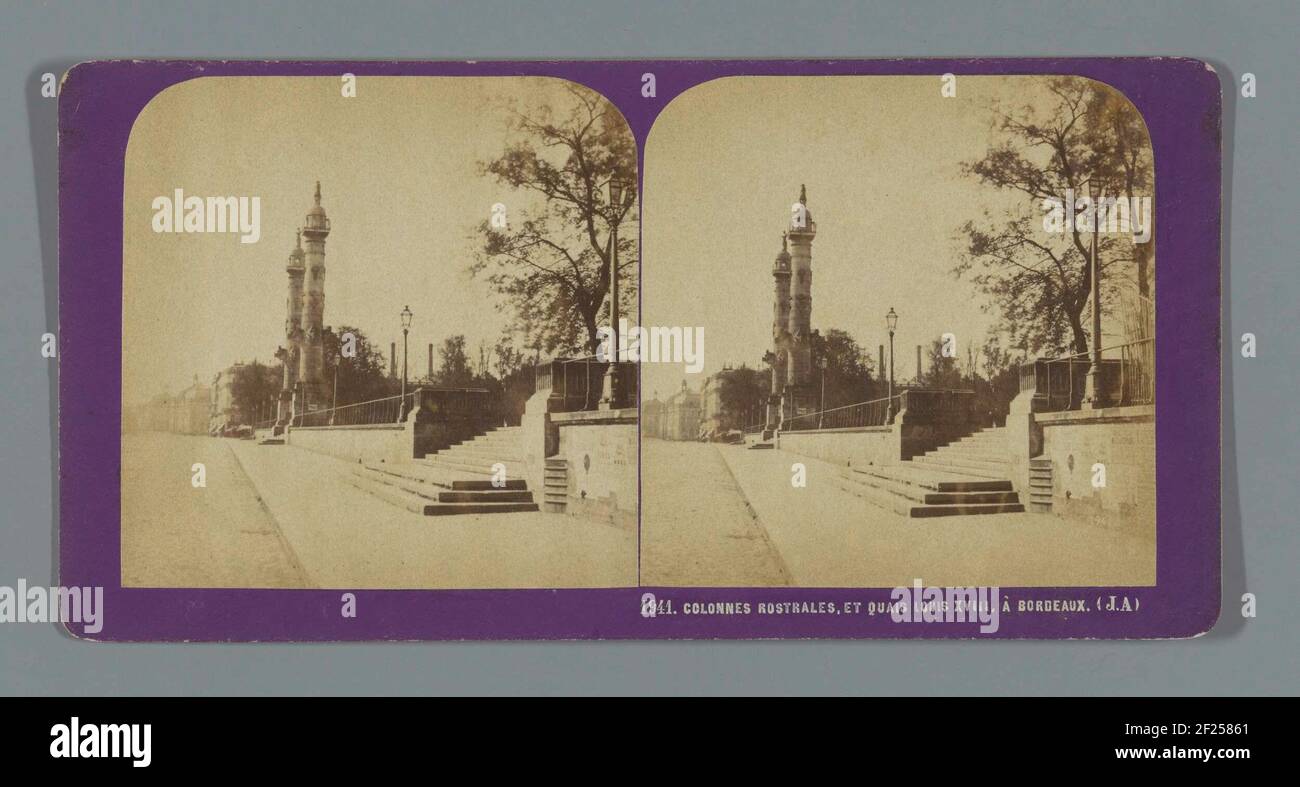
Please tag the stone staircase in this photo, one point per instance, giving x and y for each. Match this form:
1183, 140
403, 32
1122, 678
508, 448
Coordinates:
1040, 485
455, 480
555, 496
969, 476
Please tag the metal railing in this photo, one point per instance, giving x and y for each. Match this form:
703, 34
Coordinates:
580, 382
850, 416
387, 410
1125, 380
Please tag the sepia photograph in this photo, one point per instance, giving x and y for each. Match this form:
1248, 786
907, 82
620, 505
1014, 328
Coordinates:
929, 310
431, 413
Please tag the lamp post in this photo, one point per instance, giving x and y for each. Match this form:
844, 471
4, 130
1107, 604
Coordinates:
891, 322
406, 329
1092, 394
821, 400
620, 199
334, 399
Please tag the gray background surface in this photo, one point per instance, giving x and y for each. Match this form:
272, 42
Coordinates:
1261, 542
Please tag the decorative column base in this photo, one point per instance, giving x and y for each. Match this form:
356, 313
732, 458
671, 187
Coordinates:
1093, 399
609, 388
283, 412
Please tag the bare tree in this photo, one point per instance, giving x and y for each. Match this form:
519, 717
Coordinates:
553, 264
1090, 143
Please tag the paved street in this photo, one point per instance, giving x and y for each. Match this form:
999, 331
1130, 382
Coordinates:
696, 527
826, 537
338, 536
174, 535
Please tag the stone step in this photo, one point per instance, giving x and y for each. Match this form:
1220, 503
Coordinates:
481, 454
421, 504
475, 485
441, 494
921, 494
411, 471
962, 465
487, 496
447, 463
971, 452
495, 439
874, 495
982, 434
997, 445
935, 479
432, 474
962, 469
989, 449
966, 509
901, 500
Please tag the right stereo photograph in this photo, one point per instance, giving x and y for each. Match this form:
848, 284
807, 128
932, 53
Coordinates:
927, 315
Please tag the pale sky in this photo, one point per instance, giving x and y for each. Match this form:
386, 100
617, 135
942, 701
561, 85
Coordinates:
398, 172
398, 166
880, 157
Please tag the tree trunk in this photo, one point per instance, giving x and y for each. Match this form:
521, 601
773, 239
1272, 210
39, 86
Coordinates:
1144, 288
589, 324
1080, 336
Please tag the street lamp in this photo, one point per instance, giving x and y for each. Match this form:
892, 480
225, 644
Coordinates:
620, 199
891, 322
1092, 394
821, 401
406, 329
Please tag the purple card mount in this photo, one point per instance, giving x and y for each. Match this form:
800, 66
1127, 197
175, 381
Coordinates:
571, 376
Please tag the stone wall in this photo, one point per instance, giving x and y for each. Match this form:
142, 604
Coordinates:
600, 448
539, 438
1121, 438
927, 418
386, 442
869, 445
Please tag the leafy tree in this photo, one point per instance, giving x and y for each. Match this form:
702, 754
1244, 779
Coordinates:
998, 381
362, 373
740, 392
254, 388
507, 360
514, 374
848, 369
943, 371
454, 370
552, 263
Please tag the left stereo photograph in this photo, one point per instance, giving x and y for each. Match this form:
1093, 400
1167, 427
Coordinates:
335, 308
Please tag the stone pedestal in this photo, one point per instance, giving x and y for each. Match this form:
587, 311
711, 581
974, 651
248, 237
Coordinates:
797, 400
283, 413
